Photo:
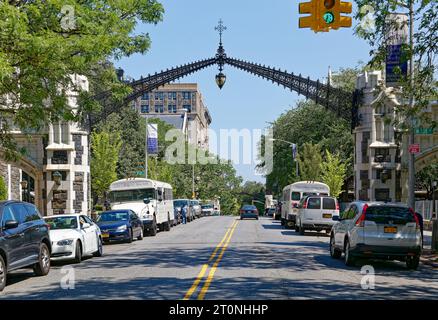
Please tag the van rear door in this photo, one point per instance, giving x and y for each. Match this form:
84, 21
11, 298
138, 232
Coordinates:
390, 226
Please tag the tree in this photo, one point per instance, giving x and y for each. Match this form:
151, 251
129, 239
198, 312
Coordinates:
43, 43
309, 161
426, 177
3, 189
333, 172
105, 149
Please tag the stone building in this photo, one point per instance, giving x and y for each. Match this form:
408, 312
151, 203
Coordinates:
381, 151
55, 172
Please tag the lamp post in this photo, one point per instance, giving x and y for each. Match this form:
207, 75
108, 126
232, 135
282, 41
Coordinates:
24, 185
294, 152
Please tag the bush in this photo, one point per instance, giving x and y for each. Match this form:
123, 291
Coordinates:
3, 189
98, 207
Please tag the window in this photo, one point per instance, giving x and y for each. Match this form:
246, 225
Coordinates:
144, 108
187, 95
20, 212
171, 108
159, 95
314, 203
329, 203
159, 108
32, 213
8, 215
296, 196
382, 155
145, 96
188, 107
171, 95
63, 175
382, 195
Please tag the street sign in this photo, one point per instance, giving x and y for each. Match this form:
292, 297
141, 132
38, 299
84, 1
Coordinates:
414, 148
425, 131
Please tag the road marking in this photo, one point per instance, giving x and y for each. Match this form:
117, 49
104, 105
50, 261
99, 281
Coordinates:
205, 266
215, 265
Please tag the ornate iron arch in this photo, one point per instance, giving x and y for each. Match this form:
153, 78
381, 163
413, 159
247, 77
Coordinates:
343, 103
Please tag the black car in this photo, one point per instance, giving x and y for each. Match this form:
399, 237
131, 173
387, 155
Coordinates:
24, 239
120, 225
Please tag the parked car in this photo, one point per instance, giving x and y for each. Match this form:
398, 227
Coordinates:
196, 208
120, 225
207, 210
379, 231
179, 203
271, 212
249, 211
24, 240
73, 237
316, 213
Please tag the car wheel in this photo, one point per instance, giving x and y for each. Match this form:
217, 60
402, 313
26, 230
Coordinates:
334, 253
130, 236
412, 263
78, 252
301, 230
140, 236
153, 231
99, 251
42, 267
167, 224
349, 261
3, 273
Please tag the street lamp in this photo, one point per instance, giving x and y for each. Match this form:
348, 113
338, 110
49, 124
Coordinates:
294, 152
24, 185
221, 79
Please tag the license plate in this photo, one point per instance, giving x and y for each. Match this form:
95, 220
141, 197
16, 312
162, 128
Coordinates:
105, 235
327, 215
390, 230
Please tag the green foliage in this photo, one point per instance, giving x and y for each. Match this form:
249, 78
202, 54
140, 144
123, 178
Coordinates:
3, 189
105, 154
42, 45
426, 177
333, 173
309, 160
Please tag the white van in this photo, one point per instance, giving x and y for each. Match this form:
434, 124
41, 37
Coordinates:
317, 213
151, 200
292, 195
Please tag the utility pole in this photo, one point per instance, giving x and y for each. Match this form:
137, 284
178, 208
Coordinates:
411, 168
146, 150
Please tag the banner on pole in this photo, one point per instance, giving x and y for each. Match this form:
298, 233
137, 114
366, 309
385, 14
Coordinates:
152, 139
396, 38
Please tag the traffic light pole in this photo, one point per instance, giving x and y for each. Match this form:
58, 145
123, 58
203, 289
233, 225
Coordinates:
146, 151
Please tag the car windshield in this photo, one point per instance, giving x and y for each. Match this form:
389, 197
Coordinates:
386, 214
180, 203
296, 196
207, 206
60, 223
329, 203
113, 216
132, 195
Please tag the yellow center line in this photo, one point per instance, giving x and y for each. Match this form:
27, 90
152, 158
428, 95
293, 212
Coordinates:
213, 269
205, 266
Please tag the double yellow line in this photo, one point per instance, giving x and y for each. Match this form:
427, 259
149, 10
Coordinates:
222, 245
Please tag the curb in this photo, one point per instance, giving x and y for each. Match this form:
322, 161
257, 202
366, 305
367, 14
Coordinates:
430, 261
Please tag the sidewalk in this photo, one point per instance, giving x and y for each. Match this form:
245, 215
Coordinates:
428, 257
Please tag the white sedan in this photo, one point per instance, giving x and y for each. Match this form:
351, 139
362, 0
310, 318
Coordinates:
74, 236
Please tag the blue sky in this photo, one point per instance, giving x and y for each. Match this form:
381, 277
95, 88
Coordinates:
264, 32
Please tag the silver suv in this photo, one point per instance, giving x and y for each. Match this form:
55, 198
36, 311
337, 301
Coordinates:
378, 231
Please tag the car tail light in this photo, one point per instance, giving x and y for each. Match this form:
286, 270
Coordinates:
415, 217
361, 221
242, 211
305, 205
48, 226
337, 205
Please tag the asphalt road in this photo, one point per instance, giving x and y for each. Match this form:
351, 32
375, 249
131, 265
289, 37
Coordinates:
223, 258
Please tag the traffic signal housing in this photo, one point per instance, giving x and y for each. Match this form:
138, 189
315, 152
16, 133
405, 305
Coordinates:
324, 15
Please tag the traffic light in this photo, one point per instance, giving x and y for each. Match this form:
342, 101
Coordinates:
325, 15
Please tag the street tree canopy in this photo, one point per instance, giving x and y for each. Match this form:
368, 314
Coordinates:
44, 42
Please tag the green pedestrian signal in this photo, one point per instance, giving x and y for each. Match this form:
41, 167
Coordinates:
329, 17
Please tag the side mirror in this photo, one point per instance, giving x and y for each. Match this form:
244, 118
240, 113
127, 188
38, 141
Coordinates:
11, 224
335, 218
86, 226
147, 201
